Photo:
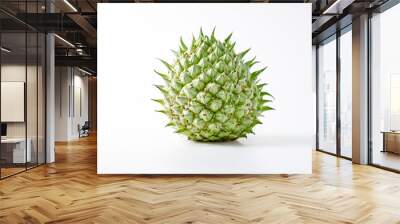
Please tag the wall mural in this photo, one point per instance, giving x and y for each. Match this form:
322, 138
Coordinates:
224, 111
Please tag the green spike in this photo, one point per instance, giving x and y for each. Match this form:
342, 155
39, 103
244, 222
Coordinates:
228, 37
243, 53
251, 62
213, 34
260, 86
183, 45
181, 68
265, 108
255, 74
175, 53
181, 50
166, 64
232, 46
262, 101
162, 111
257, 121
267, 94
164, 76
170, 124
193, 42
180, 130
161, 88
201, 34
160, 101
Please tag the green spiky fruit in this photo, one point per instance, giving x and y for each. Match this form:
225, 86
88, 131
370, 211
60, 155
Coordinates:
210, 92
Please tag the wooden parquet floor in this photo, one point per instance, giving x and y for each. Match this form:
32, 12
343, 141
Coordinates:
70, 191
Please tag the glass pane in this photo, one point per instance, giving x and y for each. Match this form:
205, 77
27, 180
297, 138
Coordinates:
22, 90
386, 89
346, 93
14, 153
32, 95
327, 96
41, 99
31, 87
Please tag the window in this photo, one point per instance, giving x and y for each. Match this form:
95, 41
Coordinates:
385, 89
335, 74
346, 93
22, 77
327, 96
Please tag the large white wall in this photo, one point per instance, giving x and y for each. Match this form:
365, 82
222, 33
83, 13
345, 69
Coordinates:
133, 138
69, 84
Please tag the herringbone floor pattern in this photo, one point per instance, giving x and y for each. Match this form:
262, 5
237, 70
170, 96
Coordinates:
70, 191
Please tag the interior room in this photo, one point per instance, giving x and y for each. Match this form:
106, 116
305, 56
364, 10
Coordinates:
72, 92
22, 104
142, 111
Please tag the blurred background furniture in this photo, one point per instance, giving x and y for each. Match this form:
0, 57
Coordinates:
391, 141
13, 151
84, 130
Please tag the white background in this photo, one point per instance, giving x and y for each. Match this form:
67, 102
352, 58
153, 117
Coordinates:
132, 137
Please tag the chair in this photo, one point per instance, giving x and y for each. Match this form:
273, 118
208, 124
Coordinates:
84, 130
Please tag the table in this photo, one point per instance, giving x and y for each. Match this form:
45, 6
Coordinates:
13, 150
391, 141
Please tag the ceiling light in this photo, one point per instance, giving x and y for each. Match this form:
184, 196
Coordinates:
5, 50
326, 11
64, 40
338, 6
84, 71
70, 5
79, 51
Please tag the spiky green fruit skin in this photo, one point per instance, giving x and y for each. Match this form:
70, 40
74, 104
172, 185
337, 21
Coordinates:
210, 93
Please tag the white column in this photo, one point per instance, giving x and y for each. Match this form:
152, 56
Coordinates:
50, 100
63, 100
360, 90
50, 92
314, 87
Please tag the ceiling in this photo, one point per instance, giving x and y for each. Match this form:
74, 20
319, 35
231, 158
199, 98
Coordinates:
75, 22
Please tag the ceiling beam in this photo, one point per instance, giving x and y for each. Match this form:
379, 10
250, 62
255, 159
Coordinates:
337, 6
320, 22
86, 27
83, 61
